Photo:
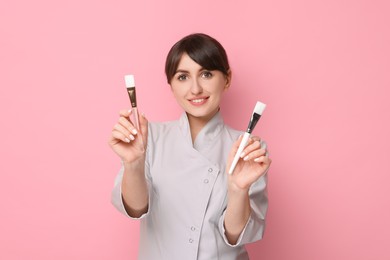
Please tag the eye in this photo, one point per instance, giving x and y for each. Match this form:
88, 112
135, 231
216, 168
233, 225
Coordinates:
182, 77
206, 74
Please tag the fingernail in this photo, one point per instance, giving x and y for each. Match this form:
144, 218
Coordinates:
246, 158
143, 115
134, 131
242, 155
127, 140
131, 137
257, 160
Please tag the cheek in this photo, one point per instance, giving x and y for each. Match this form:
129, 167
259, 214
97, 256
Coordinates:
178, 94
219, 90
220, 85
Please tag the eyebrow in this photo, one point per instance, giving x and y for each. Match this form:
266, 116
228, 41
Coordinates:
186, 71
182, 71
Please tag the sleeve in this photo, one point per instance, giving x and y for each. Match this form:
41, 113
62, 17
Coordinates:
254, 228
116, 194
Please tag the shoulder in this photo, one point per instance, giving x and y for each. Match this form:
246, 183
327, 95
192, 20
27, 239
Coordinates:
161, 129
232, 133
158, 133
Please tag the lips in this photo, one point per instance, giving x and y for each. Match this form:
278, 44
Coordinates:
198, 101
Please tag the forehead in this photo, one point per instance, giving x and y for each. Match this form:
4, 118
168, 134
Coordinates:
186, 63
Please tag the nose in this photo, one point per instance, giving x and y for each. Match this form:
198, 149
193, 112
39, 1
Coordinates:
196, 88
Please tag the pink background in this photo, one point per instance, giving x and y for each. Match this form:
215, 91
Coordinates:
321, 66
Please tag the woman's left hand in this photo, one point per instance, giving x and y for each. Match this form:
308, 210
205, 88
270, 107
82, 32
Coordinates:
253, 164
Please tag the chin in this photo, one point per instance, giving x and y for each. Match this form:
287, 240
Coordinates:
201, 114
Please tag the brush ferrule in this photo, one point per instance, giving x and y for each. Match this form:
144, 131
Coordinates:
252, 123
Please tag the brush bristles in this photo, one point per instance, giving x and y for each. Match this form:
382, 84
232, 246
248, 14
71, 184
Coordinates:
129, 80
259, 108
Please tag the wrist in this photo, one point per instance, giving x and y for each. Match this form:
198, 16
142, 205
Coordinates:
237, 192
237, 189
134, 166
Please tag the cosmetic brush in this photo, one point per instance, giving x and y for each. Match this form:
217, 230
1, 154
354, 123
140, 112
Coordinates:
130, 85
257, 112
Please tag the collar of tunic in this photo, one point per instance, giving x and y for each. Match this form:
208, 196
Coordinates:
208, 133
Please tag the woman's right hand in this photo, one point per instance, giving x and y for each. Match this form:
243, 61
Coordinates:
128, 142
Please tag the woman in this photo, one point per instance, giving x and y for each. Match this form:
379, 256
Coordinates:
174, 174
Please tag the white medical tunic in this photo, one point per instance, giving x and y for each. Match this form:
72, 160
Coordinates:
187, 186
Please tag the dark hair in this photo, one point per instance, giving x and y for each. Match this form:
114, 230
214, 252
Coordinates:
203, 49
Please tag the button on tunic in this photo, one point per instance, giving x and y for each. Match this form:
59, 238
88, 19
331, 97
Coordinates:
187, 187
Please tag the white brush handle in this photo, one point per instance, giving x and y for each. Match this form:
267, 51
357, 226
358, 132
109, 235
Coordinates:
243, 143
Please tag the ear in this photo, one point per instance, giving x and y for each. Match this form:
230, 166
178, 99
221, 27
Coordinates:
228, 78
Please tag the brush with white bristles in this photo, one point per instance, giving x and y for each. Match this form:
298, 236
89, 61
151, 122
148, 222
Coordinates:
130, 85
257, 112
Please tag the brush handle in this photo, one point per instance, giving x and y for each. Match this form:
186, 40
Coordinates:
135, 115
243, 143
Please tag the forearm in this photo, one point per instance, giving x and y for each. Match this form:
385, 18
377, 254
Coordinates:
237, 213
134, 189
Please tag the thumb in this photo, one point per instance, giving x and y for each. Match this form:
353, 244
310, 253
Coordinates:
143, 125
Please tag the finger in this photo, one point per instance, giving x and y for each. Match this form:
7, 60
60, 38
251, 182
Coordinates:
120, 136
252, 139
263, 159
256, 138
125, 112
249, 148
143, 122
124, 131
128, 125
263, 145
254, 154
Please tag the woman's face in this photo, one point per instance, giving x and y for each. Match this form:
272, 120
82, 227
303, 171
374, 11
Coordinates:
197, 90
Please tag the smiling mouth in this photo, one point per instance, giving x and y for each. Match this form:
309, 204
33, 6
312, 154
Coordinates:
198, 101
